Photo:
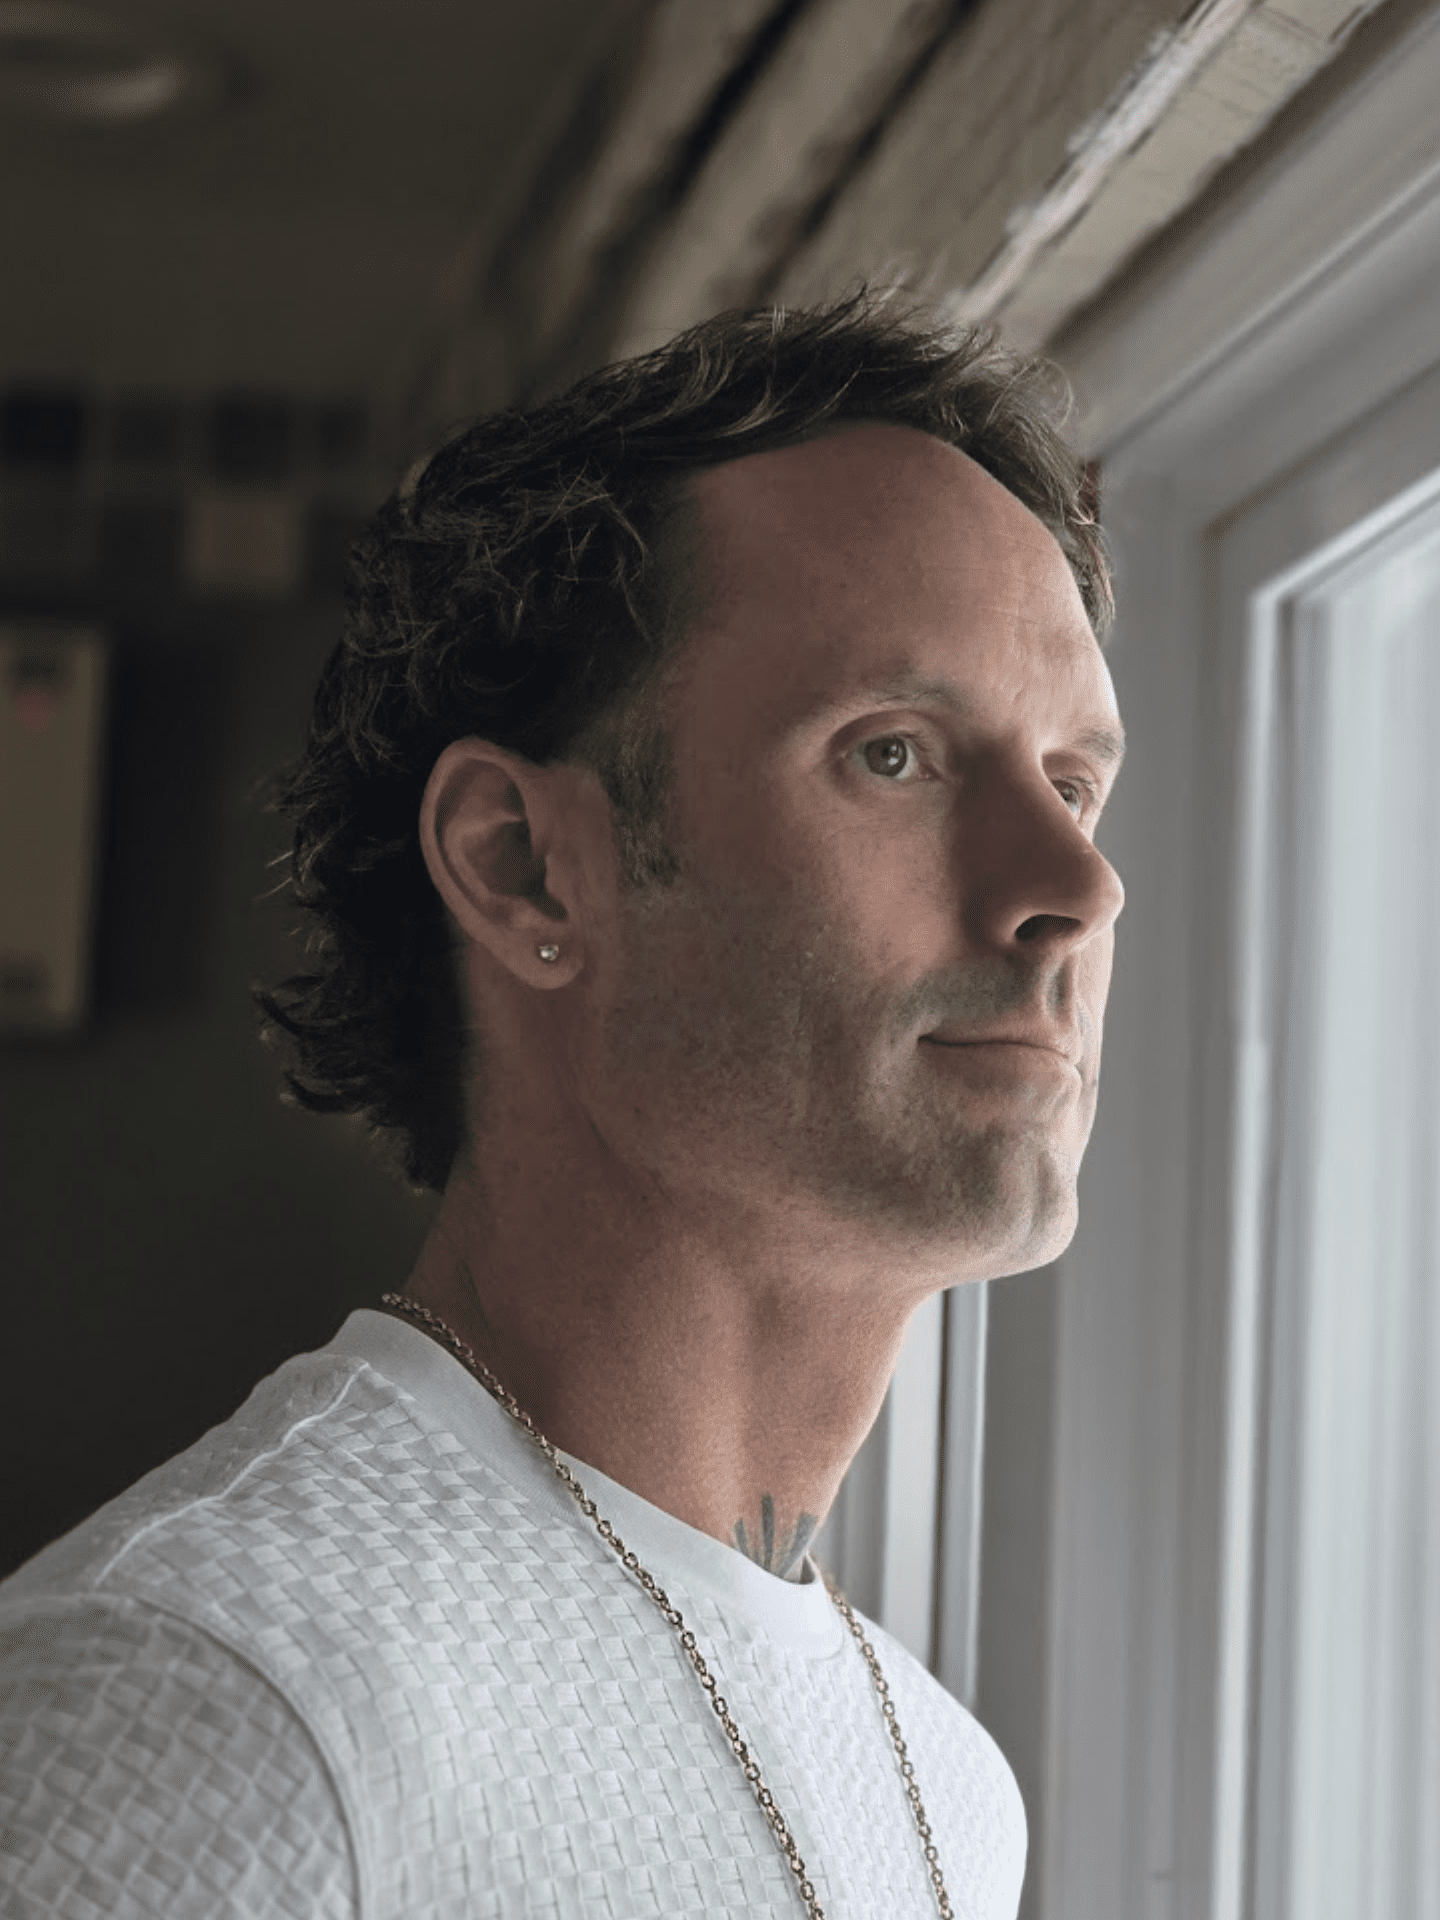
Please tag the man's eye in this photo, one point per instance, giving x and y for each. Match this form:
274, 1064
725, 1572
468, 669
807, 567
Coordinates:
1076, 794
892, 756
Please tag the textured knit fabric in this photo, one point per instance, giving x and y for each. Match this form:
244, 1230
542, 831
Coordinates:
357, 1653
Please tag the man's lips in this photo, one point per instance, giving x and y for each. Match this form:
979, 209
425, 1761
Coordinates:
1069, 1050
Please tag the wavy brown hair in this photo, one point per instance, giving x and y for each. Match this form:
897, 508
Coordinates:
526, 585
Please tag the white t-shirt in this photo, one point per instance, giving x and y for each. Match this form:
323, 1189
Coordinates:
357, 1653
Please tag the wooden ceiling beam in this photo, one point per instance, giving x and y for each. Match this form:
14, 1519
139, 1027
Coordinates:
1007, 158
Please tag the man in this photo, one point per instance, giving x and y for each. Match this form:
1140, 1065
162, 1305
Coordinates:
699, 814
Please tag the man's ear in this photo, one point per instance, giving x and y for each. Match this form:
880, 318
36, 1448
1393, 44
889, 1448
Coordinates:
491, 830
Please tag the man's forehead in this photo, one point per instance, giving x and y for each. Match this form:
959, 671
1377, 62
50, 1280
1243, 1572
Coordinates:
871, 508
866, 494
843, 453
880, 566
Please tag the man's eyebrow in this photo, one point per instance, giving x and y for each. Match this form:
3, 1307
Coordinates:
1105, 744
909, 685
900, 689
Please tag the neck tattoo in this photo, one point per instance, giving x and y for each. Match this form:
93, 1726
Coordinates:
785, 1557
447, 1337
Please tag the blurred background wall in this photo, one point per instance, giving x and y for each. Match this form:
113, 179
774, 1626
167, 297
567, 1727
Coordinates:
255, 258
223, 230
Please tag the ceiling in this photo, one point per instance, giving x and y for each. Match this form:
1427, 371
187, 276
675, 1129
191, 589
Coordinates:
296, 232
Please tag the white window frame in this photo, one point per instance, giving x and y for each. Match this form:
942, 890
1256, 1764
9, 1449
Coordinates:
903, 1538
1379, 478
1304, 313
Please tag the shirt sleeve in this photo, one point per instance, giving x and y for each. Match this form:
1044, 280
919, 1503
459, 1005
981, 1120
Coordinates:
148, 1771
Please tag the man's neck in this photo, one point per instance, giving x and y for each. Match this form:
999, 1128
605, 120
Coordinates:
728, 1383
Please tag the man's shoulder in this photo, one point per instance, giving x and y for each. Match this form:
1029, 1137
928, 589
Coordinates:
285, 1434
327, 1473
316, 1536
328, 1500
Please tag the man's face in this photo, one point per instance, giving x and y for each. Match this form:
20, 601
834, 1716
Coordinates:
873, 1000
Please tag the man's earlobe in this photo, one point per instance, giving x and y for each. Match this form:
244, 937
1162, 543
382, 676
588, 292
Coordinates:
488, 822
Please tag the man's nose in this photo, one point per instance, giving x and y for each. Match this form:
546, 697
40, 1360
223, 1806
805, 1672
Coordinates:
1040, 879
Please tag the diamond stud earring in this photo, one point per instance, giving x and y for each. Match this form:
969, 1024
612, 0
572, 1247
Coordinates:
548, 952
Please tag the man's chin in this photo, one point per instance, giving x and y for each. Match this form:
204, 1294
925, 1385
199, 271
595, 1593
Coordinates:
1046, 1241
1007, 1207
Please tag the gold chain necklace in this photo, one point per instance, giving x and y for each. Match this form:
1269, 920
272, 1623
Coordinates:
751, 1766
